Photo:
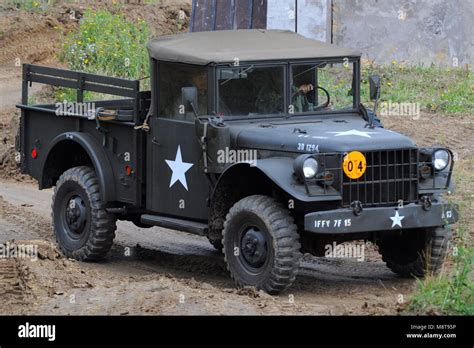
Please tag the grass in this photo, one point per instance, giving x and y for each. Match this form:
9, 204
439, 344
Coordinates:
449, 294
436, 89
452, 292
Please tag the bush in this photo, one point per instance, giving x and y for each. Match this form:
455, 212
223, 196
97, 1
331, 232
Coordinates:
108, 44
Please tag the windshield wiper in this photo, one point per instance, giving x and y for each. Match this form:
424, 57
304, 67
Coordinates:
238, 75
312, 68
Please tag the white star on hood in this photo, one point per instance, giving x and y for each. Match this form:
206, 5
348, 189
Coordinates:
397, 219
179, 169
353, 132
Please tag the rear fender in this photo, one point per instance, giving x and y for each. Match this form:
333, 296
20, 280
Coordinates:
97, 156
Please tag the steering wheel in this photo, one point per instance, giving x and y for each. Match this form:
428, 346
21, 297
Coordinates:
328, 101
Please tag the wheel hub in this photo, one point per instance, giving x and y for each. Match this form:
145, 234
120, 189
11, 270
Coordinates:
76, 215
254, 247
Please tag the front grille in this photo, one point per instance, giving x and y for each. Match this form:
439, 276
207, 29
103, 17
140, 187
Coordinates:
391, 176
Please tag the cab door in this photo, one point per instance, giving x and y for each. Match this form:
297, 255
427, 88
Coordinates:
177, 186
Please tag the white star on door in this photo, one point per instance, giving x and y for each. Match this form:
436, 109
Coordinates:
179, 169
353, 132
397, 219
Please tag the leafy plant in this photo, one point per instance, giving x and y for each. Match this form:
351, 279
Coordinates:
108, 44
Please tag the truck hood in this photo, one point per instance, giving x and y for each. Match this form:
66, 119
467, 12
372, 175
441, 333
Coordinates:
330, 134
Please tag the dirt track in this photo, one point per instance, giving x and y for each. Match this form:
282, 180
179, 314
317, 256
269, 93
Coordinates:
157, 271
164, 266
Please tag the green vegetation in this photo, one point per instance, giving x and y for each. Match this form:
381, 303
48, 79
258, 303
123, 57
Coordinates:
452, 291
450, 294
337, 79
31, 5
107, 44
440, 90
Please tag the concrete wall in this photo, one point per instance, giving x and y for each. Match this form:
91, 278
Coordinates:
439, 32
416, 31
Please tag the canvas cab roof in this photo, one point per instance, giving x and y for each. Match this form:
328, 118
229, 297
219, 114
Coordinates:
224, 46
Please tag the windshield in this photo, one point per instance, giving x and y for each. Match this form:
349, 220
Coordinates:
250, 91
313, 87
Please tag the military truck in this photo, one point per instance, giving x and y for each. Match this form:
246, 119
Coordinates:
256, 139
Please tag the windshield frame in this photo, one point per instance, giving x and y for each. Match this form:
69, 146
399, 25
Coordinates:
287, 70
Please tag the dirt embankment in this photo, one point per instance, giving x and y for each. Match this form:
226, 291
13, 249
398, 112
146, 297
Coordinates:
36, 37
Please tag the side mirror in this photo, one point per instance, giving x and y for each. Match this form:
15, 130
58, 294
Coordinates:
189, 99
374, 82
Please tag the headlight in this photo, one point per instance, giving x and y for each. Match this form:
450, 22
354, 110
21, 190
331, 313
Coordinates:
306, 167
440, 159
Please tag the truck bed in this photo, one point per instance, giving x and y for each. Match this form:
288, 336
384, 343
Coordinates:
106, 126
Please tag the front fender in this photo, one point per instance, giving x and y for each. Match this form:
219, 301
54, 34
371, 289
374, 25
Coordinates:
280, 171
97, 155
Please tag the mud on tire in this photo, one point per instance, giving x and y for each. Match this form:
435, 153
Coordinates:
215, 239
415, 252
261, 244
83, 228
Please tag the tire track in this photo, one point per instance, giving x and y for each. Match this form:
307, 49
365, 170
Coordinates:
12, 286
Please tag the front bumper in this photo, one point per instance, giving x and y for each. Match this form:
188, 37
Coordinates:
381, 218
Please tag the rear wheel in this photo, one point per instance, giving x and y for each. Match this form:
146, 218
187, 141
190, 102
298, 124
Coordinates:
261, 244
84, 230
415, 252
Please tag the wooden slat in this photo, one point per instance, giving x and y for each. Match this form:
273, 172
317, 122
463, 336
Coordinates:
55, 81
109, 90
259, 14
70, 74
203, 16
115, 81
46, 70
225, 14
243, 14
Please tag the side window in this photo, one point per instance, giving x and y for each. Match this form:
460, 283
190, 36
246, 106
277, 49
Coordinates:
172, 78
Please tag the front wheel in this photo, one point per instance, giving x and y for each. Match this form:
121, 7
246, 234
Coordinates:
417, 252
261, 244
84, 230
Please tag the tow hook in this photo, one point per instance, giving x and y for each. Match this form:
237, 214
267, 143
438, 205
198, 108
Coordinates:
426, 202
356, 207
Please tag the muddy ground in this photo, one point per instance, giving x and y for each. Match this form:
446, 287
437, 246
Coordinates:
157, 271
